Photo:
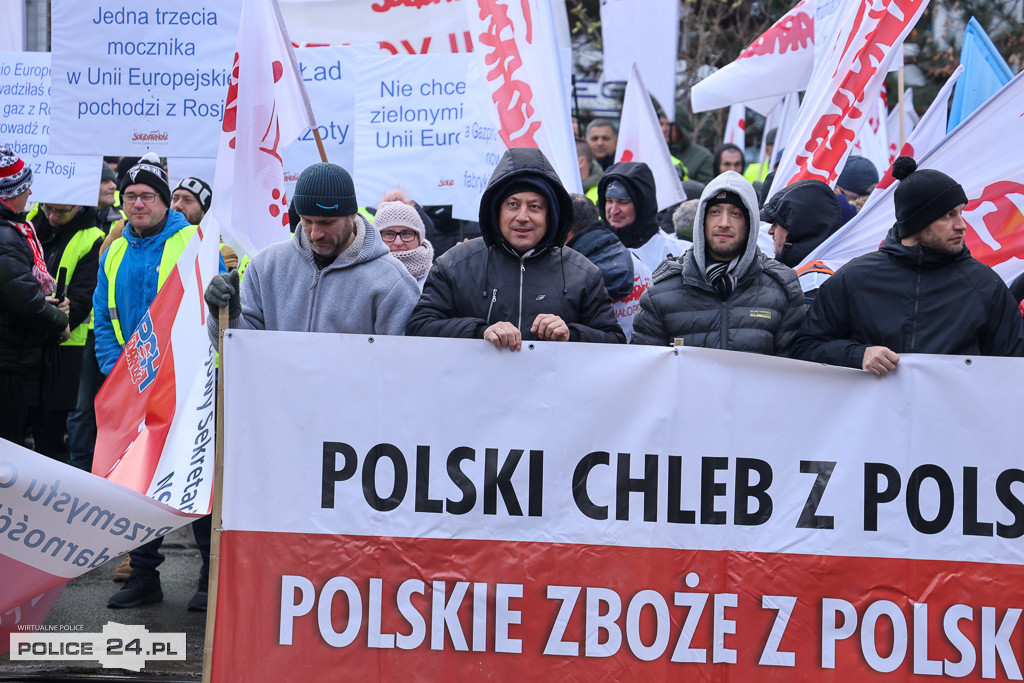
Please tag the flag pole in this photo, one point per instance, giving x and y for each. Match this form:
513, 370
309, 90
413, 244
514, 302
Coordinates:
899, 89
320, 144
215, 512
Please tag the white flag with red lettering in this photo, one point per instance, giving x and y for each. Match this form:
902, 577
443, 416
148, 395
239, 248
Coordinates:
910, 119
836, 105
641, 139
994, 184
778, 62
518, 48
736, 125
872, 141
267, 109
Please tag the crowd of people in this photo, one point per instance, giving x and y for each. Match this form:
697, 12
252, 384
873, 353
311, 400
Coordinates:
539, 264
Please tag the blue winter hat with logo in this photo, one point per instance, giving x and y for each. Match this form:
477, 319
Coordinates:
325, 189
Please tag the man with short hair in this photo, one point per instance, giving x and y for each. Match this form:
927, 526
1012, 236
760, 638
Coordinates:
603, 136
627, 200
335, 274
921, 292
729, 157
723, 293
131, 272
517, 282
590, 170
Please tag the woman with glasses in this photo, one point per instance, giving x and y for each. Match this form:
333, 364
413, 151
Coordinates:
403, 232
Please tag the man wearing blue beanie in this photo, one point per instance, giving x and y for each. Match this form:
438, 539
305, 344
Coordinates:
335, 274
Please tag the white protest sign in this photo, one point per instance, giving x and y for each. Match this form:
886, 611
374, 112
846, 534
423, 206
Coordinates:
412, 127
25, 91
329, 75
141, 76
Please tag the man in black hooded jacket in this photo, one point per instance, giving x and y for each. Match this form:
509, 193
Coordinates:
627, 199
516, 281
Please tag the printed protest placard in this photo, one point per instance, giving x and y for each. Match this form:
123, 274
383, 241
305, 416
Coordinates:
147, 75
25, 95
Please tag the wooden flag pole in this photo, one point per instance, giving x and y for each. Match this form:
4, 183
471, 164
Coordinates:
320, 144
215, 522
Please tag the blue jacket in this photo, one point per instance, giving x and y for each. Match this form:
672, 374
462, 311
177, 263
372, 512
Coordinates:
136, 287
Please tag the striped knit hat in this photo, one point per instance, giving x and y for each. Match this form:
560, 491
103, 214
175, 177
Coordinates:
15, 176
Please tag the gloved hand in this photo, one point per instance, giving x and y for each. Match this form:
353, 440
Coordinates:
223, 291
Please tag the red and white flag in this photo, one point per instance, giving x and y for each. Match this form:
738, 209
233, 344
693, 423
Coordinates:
778, 62
154, 413
892, 122
518, 49
836, 105
872, 141
994, 184
735, 127
641, 139
267, 109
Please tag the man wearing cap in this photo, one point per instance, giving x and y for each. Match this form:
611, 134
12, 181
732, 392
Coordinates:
335, 274
723, 293
517, 282
858, 179
627, 200
921, 292
131, 272
192, 198
107, 207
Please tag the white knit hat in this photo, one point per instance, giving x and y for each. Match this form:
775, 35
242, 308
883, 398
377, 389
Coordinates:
399, 215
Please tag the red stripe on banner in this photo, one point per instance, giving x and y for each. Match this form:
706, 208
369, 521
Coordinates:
199, 281
436, 610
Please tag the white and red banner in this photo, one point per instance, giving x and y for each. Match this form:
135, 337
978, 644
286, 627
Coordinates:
837, 105
657, 534
780, 61
518, 48
58, 522
994, 184
872, 141
401, 27
641, 139
910, 120
267, 109
154, 412
644, 33
735, 126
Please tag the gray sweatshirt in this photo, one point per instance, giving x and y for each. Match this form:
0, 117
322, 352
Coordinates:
365, 291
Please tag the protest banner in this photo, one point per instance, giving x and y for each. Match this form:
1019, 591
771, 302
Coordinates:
563, 528
735, 126
398, 26
644, 33
140, 76
892, 124
58, 522
25, 87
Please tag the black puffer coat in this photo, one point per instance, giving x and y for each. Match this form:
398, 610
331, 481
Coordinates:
27, 322
911, 300
761, 315
602, 248
478, 283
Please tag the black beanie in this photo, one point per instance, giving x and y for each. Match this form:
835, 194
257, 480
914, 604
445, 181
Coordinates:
922, 196
200, 189
146, 173
106, 173
728, 197
325, 189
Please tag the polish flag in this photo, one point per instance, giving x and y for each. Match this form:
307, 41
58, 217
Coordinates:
994, 184
641, 139
836, 105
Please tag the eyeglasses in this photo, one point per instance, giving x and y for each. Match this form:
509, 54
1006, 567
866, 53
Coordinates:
406, 235
54, 211
146, 197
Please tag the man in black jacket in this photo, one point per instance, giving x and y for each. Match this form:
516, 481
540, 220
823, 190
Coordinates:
921, 292
516, 281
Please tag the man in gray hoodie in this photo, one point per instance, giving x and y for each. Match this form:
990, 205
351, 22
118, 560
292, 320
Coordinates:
723, 293
334, 275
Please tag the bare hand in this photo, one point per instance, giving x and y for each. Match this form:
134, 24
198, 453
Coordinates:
63, 305
65, 335
504, 335
879, 360
549, 327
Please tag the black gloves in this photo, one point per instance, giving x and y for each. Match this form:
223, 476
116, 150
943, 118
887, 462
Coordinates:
223, 291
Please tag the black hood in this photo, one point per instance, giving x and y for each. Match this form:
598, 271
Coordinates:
639, 180
515, 166
809, 211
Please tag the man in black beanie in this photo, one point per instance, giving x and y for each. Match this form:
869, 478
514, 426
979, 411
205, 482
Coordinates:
921, 292
517, 281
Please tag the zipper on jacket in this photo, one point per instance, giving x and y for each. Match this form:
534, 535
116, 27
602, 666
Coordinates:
522, 269
725, 325
312, 299
494, 297
917, 299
